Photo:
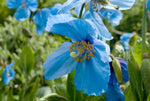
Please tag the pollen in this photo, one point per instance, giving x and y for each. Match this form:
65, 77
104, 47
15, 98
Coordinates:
82, 50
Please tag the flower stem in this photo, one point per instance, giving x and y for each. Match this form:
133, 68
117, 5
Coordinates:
144, 27
81, 11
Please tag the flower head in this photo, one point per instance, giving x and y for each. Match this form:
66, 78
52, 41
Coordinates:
86, 54
114, 93
125, 38
23, 8
8, 74
41, 17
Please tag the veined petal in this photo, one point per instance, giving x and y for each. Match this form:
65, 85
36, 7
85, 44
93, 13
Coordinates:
22, 14
77, 10
69, 4
75, 29
148, 4
55, 8
103, 50
104, 33
113, 15
123, 4
32, 5
59, 62
92, 76
13, 3
114, 93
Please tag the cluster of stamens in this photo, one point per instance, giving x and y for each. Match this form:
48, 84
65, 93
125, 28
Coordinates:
82, 50
98, 5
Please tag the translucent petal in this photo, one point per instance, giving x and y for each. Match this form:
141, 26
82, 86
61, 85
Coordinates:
22, 14
59, 62
113, 15
13, 3
92, 76
69, 4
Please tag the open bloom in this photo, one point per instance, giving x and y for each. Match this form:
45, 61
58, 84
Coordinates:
114, 93
8, 74
41, 17
86, 54
23, 8
125, 38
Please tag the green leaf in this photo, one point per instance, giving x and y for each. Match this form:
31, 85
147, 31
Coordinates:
133, 40
148, 98
10, 96
135, 77
26, 60
129, 96
118, 50
42, 91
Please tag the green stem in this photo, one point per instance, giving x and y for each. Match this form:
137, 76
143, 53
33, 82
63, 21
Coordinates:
144, 27
81, 11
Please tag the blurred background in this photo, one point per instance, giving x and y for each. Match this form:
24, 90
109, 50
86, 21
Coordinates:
19, 39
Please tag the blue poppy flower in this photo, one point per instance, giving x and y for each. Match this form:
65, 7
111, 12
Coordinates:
114, 93
41, 17
86, 54
113, 15
8, 74
148, 4
125, 38
23, 8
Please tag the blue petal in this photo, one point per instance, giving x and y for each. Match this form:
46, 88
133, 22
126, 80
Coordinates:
75, 29
114, 93
103, 50
125, 40
7, 78
69, 4
32, 5
113, 15
148, 4
41, 17
104, 33
59, 62
22, 14
123, 4
39, 30
13, 3
113, 79
92, 76
77, 10
55, 8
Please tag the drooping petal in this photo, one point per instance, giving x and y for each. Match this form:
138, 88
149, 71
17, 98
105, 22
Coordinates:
22, 14
59, 62
6, 79
92, 76
148, 4
113, 15
123, 4
75, 29
10, 65
69, 4
13, 3
114, 93
32, 5
104, 33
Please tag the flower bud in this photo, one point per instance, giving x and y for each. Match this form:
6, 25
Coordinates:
117, 69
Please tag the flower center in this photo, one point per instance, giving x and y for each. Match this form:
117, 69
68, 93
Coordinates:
7, 73
82, 50
98, 5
